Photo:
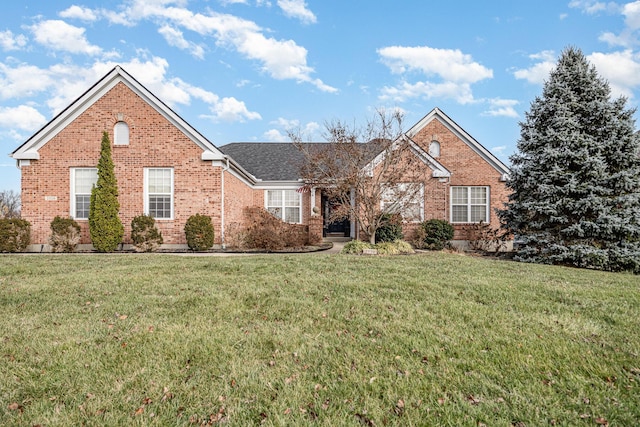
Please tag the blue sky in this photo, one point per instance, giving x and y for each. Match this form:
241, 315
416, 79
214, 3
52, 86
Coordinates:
248, 70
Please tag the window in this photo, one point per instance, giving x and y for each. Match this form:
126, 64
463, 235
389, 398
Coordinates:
82, 181
121, 134
284, 204
407, 199
434, 149
158, 192
469, 204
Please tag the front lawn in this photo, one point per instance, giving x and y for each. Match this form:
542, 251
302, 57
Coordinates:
433, 339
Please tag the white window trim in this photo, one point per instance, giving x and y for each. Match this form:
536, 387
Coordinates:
420, 195
468, 187
266, 200
146, 193
72, 191
121, 141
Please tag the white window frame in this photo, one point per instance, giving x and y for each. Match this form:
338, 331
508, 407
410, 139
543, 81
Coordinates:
469, 205
121, 133
72, 192
388, 192
147, 194
434, 149
282, 207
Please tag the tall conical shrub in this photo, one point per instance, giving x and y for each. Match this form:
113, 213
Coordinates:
105, 227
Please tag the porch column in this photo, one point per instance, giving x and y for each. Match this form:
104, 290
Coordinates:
313, 200
352, 220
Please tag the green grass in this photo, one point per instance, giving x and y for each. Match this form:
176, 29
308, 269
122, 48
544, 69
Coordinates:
433, 339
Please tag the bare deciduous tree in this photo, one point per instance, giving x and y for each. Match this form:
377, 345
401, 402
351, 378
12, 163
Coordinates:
9, 204
365, 171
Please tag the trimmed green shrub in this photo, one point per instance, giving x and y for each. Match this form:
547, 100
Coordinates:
65, 234
390, 229
105, 227
144, 234
15, 234
199, 232
356, 247
433, 234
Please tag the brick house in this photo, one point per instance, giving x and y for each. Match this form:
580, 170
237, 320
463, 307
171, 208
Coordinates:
167, 169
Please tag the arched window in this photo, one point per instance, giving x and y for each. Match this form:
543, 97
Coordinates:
121, 134
434, 149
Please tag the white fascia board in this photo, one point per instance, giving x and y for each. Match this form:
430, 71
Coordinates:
282, 185
108, 82
438, 114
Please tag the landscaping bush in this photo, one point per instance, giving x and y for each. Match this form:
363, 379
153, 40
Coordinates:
65, 234
394, 248
433, 234
482, 237
269, 233
144, 234
390, 229
199, 232
356, 247
15, 234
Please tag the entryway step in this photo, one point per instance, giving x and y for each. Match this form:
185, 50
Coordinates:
337, 239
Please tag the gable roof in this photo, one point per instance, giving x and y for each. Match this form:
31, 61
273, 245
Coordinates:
29, 149
282, 161
437, 114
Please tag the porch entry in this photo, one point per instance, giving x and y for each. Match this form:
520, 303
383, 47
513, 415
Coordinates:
340, 228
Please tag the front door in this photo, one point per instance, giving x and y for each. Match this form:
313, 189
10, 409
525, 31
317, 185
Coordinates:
340, 227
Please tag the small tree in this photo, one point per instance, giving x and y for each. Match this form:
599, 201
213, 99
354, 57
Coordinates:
105, 227
359, 175
9, 204
576, 175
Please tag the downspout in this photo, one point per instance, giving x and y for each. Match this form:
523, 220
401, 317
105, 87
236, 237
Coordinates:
224, 169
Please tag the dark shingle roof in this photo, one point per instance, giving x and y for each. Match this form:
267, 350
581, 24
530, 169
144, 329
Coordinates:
279, 161
268, 161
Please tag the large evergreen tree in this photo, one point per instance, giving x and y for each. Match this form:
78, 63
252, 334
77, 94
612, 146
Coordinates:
105, 227
576, 175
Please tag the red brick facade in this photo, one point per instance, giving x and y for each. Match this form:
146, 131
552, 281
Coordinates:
205, 181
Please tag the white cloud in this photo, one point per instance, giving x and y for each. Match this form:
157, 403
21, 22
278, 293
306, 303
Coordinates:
593, 7
23, 81
502, 108
232, 110
459, 92
9, 41
175, 38
58, 35
63, 83
281, 59
452, 70
448, 64
631, 12
628, 37
538, 72
23, 117
274, 135
308, 131
81, 13
621, 69
297, 9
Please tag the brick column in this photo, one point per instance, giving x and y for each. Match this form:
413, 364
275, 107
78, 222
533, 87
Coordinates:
315, 229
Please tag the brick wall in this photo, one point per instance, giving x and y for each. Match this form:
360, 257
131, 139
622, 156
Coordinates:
154, 142
467, 168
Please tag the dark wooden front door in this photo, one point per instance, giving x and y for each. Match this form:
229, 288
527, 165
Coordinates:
340, 227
